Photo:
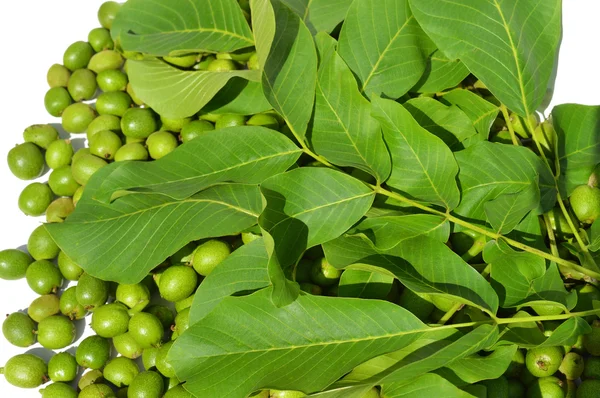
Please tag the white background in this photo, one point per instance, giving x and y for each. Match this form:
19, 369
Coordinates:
34, 35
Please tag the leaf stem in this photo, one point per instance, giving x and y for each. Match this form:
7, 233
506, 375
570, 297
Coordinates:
316, 157
509, 124
307, 150
450, 313
552, 238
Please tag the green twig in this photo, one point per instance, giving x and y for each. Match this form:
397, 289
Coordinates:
551, 237
509, 124
560, 201
448, 315
488, 233
507, 321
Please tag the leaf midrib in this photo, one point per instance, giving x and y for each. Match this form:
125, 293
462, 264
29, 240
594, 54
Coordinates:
516, 59
201, 176
177, 203
322, 344
376, 66
198, 30
345, 128
323, 206
418, 158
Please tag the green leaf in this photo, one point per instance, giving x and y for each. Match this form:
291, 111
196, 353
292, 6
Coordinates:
529, 232
509, 45
177, 93
244, 270
247, 343
488, 170
343, 130
124, 240
481, 112
506, 211
290, 69
422, 165
568, 332
239, 96
373, 367
437, 355
236, 154
578, 129
424, 386
449, 123
521, 278
416, 263
164, 27
417, 359
440, 73
384, 46
320, 15
263, 26
387, 232
306, 207
527, 334
474, 368
364, 284
595, 236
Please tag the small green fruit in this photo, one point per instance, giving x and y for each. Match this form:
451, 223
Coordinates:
127, 346
324, 274
91, 292
62, 367
591, 341
546, 387
585, 202
146, 384
14, 264
110, 320
43, 307
588, 389
572, 366
19, 329
43, 277
121, 371
163, 366
149, 357
591, 369
178, 282
136, 296
94, 376
146, 329
287, 394
25, 371
97, 391
542, 362
69, 306
208, 255
69, 268
93, 352
41, 246
58, 390
56, 332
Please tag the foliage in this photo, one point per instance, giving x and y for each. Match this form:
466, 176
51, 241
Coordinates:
392, 149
